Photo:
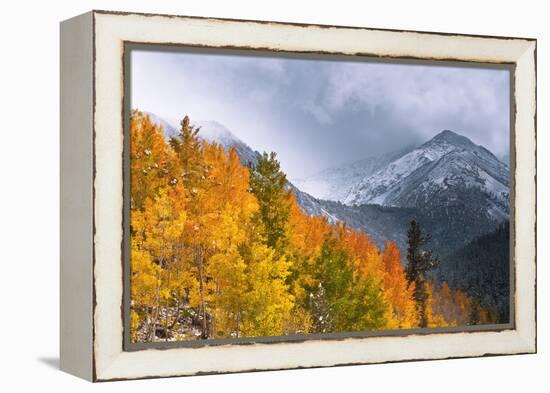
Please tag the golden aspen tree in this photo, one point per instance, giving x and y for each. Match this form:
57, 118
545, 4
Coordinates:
251, 289
306, 239
268, 300
157, 217
196, 238
156, 231
233, 207
367, 265
398, 292
152, 163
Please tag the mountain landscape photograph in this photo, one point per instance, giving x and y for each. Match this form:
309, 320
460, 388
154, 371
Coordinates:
278, 196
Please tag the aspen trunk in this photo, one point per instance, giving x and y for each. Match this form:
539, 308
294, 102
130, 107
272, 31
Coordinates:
200, 265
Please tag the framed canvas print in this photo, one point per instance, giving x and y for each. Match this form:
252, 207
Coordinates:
245, 195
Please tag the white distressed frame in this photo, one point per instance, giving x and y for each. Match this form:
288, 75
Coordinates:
110, 31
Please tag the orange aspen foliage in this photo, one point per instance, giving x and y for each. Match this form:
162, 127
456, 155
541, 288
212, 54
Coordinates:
433, 318
153, 164
458, 308
398, 293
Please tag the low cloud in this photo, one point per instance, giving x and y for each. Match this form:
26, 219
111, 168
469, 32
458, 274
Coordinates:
318, 114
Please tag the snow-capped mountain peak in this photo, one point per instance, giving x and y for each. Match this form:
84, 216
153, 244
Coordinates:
451, 138
334, 184
446, 163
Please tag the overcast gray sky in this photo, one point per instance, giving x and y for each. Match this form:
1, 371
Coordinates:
319, 113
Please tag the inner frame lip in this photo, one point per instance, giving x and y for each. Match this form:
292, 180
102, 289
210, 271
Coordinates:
129, 46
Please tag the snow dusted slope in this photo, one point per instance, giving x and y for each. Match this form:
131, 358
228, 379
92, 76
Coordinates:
210, 131
448, 165
169, 129
334, 184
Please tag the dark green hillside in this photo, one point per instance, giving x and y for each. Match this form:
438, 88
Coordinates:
481, 269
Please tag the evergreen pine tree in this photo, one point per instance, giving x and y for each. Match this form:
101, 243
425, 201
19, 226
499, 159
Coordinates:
268, 184
420, 262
